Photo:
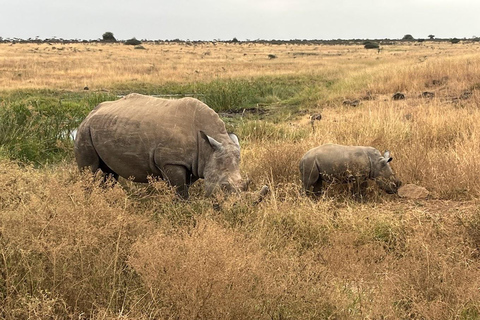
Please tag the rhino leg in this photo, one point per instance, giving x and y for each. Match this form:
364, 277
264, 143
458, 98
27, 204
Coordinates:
359, 189
90, 159
108, 173
177, 176
317, 187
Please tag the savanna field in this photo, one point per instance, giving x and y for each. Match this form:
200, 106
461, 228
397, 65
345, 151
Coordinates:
72, 248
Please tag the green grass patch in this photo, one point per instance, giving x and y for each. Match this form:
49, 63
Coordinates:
35, 126
239, 93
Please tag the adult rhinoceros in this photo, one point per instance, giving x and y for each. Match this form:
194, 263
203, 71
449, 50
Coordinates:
337, 163
179, 141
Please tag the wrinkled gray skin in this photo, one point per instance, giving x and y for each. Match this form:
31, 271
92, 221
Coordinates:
347, 164
178, 141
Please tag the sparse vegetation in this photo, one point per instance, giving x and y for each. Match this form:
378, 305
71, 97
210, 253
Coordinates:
73, 248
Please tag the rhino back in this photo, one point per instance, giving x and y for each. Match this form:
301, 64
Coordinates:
341, 161
127, 133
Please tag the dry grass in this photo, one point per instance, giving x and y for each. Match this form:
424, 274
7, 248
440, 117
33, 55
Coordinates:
102, 66
71, 248
74, 249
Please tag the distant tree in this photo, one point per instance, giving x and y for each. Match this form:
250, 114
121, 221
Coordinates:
133, 42
408, 37
235, 40
108, 37
431, 36
455, 40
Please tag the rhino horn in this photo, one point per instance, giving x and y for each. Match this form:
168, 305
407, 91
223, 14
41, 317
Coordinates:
234, 139
387, 157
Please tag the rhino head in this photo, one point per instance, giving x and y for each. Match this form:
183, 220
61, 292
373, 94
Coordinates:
383, 174
222, 166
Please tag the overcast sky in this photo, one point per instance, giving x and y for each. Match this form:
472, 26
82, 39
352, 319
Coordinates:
242, 19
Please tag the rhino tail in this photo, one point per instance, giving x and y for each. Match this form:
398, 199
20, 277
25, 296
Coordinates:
87, 156
310, 173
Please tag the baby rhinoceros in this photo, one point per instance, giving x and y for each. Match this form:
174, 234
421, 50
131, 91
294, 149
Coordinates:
347, 164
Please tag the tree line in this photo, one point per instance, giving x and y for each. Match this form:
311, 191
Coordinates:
108, 37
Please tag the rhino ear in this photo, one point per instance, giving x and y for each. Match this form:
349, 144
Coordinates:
217, 146
387, 157
234, 138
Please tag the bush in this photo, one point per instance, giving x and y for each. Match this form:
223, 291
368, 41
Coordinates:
133, 42
371, 45
108, 37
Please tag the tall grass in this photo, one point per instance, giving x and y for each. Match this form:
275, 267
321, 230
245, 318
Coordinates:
77, 249
236, 94
36, 126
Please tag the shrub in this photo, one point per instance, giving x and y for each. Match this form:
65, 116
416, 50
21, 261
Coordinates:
371, 45
133, 42
108, 37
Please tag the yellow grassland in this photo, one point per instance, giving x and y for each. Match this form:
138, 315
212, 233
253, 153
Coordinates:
73, 66
72, 248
